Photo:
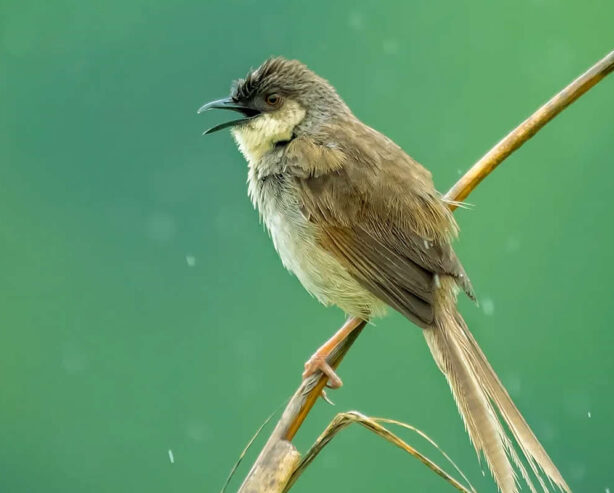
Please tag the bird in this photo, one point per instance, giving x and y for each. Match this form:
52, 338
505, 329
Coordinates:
360, 224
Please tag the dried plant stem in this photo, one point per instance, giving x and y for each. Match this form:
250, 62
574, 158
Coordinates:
343, 420
528, 128
279, 458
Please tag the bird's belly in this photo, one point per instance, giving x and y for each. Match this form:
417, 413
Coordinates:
320, 273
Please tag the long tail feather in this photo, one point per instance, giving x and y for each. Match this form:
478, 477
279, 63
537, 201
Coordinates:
479, 395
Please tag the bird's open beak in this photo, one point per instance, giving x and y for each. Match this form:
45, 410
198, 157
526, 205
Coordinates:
229, 104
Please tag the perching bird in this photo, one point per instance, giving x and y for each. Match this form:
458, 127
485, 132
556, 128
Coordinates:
361, 225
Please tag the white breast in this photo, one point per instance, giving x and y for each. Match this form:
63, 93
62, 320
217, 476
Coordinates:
295, 240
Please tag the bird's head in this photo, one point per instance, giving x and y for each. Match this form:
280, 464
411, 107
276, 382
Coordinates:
277, 101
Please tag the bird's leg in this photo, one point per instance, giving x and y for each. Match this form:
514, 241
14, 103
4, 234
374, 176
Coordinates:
318, 360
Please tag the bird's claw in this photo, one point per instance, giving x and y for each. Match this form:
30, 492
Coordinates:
318, 363
326, 399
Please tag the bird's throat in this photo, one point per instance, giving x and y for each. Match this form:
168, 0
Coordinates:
259, 136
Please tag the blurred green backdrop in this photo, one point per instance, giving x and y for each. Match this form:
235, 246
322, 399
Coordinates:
143, 309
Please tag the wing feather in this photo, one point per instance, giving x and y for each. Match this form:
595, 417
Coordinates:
380, 215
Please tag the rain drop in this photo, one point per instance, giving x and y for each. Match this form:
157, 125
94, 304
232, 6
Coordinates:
488, 306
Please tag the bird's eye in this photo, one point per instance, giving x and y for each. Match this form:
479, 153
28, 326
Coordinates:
273, 99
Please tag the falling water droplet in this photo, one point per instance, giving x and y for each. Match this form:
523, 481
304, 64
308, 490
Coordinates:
488, 306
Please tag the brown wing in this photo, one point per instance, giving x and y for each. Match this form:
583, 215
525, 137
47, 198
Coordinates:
380, 215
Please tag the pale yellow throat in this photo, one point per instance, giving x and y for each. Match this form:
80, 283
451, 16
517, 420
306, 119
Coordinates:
259, 136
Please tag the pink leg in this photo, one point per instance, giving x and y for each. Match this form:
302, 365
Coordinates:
318, 360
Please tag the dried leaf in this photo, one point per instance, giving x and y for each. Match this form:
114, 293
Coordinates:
343, 420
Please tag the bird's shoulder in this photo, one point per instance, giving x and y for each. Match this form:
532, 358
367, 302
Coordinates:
351, 173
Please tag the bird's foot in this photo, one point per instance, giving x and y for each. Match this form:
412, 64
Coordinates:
318, 363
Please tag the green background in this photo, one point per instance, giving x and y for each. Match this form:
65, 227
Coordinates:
143, 308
